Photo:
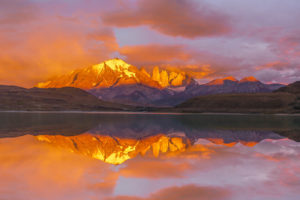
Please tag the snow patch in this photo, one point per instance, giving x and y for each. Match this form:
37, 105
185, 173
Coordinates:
177, 89
116, 65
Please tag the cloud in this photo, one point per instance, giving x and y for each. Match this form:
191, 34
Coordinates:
277, 65
105, 35
274, 76
176, 58
290, 45
30, 167
175, 18
153, 169
190, 192
49, 52
17, 11
43, 39
50, 46
154, 54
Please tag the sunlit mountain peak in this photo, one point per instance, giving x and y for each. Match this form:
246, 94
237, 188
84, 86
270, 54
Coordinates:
116, 72
221, 80
115, 150
115, 64
249, 79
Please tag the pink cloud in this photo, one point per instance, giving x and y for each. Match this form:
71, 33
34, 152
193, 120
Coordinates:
154, 53
154, 169
17, 11
175, 18
277, 65
190, 192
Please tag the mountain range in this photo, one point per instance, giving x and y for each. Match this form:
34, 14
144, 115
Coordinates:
119, 82
114, 73
115, 85
283, 100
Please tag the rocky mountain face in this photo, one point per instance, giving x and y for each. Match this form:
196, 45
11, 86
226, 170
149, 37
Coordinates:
117, 81
137, 94
113, 73
230, 85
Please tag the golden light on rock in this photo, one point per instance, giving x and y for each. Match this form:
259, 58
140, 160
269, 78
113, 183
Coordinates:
116, 150
116, 72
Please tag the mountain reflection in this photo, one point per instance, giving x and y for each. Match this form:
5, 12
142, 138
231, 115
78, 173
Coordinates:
148, 157
115, 150
227, 127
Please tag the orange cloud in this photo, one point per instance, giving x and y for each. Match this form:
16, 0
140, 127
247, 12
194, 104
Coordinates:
154, 53
106, 36
195, 71
175, 18
43, 172
153, 169
277, 65
171, 57
40, 52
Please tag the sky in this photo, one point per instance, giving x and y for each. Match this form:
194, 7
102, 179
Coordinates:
40, 39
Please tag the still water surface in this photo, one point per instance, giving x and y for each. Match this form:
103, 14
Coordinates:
113, 156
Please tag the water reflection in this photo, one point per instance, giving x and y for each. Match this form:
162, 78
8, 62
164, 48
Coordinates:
157, 157
116, 150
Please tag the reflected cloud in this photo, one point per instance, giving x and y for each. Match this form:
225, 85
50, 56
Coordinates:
147, 157
41, 171
198, 170
154, 169
191, 192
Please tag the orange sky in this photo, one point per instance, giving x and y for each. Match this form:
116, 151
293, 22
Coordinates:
42, 39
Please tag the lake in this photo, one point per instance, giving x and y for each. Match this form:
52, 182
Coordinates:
146, 156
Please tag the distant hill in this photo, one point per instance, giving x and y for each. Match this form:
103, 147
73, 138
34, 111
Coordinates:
37, 99
293, 88
143, 95
283, 100
230, 85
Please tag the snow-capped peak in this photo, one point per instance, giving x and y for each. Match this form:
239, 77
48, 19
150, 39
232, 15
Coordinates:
116, 65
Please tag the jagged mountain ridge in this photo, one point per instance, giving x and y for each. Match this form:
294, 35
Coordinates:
283, 100
116, 72
230, 85
117, 81
227, 85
